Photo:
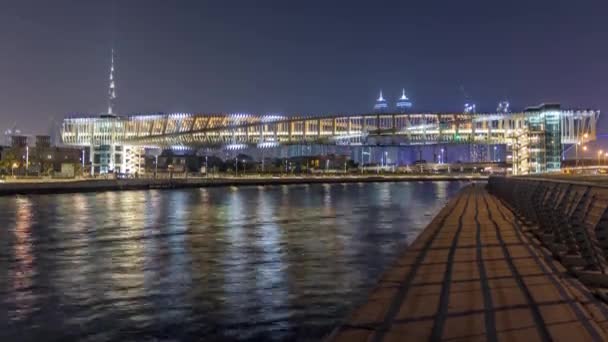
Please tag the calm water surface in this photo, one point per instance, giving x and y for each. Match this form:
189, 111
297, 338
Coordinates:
249, 263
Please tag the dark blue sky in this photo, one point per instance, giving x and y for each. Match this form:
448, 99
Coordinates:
296, 56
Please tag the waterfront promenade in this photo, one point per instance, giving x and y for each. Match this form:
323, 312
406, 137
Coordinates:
474, 274
47, 186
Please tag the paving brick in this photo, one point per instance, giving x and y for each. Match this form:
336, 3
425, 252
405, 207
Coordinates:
516, 335
419, 331
511, 319
467, 326
416, 306
465, 313
567, 332
352, 335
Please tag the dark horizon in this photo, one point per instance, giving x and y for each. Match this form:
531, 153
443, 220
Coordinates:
313, 57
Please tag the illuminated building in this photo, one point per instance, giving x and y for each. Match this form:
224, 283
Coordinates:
126, 137
404, 104
108, 153
118, 143
381, 105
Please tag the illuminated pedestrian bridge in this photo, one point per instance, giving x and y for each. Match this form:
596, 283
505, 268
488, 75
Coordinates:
546, 128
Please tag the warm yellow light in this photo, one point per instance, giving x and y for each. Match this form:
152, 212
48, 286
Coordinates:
15, 165
585, 135
600, 152
584, 148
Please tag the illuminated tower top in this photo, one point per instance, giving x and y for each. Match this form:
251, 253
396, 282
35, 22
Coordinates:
469, 108
112, 87
381, 104
503, 107
404, 103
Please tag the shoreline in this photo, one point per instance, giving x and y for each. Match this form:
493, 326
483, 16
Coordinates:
99, 185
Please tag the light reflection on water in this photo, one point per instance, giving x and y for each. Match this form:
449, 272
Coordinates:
250, 263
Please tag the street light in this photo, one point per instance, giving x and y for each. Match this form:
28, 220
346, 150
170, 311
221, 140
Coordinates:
584, 150
155, 166
578, 143
15, 165
27, 159
236, 167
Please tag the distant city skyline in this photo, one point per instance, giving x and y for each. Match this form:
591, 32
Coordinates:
311, 57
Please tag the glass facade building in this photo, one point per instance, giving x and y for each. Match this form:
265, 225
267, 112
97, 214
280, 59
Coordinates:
544, 134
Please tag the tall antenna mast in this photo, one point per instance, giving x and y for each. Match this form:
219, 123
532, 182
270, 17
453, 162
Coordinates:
112, 87
112, 81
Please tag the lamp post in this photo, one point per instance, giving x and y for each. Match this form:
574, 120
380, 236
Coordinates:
156, 166
236, 167
584, 150
27, 159
14, 166
576, 153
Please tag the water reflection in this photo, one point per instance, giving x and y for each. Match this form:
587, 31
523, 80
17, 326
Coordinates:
23, 269
258, 263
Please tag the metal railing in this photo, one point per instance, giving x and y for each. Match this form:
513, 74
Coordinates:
569, 218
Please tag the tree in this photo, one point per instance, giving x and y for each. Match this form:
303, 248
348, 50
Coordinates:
9, 158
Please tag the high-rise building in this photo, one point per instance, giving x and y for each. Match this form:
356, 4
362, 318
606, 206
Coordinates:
404, 104
381, 105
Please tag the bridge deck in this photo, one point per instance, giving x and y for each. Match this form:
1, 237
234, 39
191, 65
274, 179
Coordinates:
473, 274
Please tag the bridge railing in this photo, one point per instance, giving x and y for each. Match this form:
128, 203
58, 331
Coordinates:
569, 218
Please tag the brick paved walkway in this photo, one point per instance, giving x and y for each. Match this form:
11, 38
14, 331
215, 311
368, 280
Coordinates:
473, 275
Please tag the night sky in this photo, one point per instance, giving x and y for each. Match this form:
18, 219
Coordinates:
296, 56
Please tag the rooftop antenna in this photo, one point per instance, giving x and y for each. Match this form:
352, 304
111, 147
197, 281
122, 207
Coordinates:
112, 81
112, 86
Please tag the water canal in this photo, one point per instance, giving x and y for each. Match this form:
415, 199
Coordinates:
248, 263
